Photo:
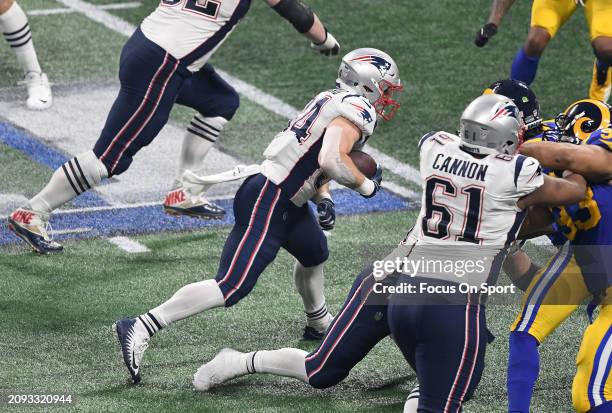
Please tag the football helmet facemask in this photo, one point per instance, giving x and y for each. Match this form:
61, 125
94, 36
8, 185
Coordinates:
582, 118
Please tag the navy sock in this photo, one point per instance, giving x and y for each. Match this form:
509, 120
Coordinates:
524, 68
523, 370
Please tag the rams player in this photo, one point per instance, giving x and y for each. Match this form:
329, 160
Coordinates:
163, 62
271, 207
566, 280
547, 17
443, 337
15, 27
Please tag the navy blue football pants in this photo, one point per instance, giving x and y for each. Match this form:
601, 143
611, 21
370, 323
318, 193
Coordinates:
444, 344
151, 82
266, 220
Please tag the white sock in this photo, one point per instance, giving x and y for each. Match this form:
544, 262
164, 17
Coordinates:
190, 300
412, 403
16, 30
79, 174
201, 135
286, 362
309, 282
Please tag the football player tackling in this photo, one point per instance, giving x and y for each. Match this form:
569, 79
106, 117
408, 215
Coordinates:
271, 207
163, 62
475, 195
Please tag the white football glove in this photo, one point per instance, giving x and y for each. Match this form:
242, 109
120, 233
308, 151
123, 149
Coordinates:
580, 2
329, 47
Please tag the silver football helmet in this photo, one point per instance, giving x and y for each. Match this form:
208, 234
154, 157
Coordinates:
491, 124
374, 75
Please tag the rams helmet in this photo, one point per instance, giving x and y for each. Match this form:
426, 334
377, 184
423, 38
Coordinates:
582, 118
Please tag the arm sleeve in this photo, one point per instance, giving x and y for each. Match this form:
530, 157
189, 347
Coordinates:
358, 111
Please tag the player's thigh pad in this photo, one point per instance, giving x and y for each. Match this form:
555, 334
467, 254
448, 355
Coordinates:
359, 325
599, 17
551, 14
593, 381
447, 345
305, 239
150, 81
255, 239
209, 94
552, 296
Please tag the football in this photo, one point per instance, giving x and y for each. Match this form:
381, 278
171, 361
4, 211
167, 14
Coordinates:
364, 162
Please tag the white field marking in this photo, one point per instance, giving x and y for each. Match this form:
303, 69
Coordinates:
70, 231
128, 245
112, 6
249, 91
401, 190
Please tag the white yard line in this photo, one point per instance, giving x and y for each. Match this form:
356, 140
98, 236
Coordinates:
128, 245
113, 6
70, 231
249, 91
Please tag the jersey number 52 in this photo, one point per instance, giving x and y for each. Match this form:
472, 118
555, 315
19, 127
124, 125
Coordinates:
206, 8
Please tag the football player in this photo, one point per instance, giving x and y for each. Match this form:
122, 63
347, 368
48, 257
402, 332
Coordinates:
163, 62
16, 30
547, 17
271, 207
443, 340
576, 271
553, 292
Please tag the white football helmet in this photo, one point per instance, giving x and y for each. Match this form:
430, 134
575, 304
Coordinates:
491, 124
374, 75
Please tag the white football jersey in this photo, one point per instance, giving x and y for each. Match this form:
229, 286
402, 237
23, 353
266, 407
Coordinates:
193, 29
469, 205
291, 159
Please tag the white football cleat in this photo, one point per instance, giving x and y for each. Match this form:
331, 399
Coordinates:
227, 365
134, 340
32, 227
39, 91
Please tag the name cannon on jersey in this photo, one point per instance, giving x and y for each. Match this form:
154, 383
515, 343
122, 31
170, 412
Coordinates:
460, 167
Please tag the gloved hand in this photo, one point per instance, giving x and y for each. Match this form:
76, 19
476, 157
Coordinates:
329, 47
326, 212
485, 33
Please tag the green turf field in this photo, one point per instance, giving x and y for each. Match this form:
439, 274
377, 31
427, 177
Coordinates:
56, 312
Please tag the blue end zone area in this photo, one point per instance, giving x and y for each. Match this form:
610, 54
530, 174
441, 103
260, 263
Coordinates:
96, 218
45, 155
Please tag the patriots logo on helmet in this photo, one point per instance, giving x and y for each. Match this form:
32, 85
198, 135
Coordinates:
504, 110
380, 63
365, 114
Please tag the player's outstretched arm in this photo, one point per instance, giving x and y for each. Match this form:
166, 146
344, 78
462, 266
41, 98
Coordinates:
307, 23
591, 161
340, 137
556, 191
499, 8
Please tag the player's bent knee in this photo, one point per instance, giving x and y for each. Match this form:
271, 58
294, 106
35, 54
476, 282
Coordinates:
325, 380
537, 40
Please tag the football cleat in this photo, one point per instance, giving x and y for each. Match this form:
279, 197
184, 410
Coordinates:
178, 202
32, 227
39, 91
226, 365
601, 84
134, 340
312, 334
